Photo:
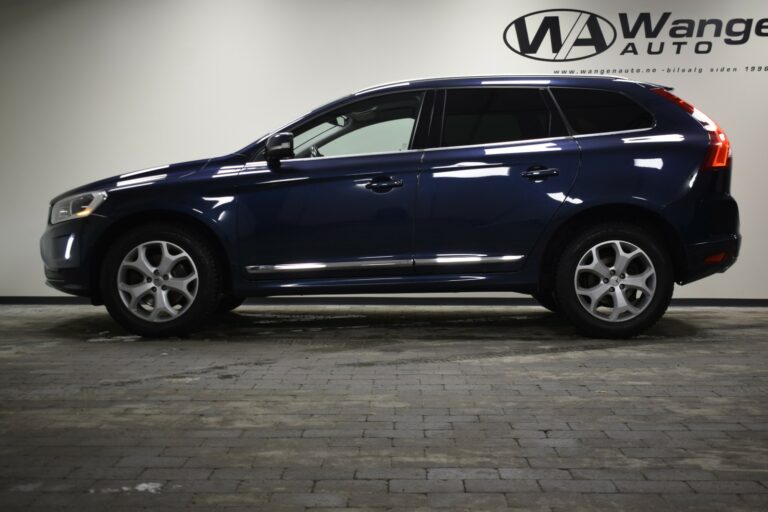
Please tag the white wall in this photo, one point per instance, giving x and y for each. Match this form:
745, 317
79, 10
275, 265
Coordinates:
92, 88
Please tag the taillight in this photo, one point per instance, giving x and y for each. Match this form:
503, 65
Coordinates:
719, 149
719, 152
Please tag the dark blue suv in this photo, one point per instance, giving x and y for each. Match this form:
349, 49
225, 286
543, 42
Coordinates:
593, 194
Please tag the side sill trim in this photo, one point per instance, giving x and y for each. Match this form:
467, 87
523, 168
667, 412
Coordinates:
336, 265
452, 259
466, 259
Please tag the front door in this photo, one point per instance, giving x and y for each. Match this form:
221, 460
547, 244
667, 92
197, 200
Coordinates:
344, 206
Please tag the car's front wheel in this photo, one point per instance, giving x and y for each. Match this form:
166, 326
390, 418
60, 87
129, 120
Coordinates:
161, 280
614, 280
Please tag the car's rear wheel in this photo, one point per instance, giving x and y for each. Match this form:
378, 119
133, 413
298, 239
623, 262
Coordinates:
614, 280
161, 280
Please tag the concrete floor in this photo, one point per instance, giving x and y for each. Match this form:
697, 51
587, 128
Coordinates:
383, 408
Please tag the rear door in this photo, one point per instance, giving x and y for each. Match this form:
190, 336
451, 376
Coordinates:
504, 164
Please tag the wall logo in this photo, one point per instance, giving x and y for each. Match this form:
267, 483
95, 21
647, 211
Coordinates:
562, 35
559, 35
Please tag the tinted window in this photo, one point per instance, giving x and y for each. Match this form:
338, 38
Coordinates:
592, 111
378, 125
485, 115
385, 136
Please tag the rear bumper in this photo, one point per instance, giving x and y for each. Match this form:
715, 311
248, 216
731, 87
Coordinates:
711, 257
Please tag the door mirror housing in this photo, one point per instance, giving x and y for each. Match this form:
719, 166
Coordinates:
279, 146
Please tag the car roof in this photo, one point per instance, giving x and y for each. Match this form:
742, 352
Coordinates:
486, 80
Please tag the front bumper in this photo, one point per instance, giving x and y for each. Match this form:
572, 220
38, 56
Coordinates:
65, 249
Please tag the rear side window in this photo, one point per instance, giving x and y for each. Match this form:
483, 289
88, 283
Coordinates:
595, 111
486, 115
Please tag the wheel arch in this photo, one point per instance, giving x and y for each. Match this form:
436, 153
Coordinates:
130, 221
629, 213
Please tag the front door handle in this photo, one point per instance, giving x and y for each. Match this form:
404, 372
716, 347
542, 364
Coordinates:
383, 184
539, 172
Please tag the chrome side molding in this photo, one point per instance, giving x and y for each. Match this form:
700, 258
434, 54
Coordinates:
440, 259
466, 259
335, 265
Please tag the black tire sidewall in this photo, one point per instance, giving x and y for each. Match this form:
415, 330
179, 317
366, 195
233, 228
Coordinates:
569, 303
208, 287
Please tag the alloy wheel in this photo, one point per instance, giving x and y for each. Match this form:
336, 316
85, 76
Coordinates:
157, 281
615, 281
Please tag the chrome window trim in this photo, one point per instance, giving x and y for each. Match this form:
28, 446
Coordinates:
448, 148
488, 145
326, 158
619, 132
499, 144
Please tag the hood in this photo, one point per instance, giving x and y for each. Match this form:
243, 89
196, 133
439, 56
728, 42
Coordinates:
136, 178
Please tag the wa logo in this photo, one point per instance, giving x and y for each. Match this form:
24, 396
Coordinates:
559, 35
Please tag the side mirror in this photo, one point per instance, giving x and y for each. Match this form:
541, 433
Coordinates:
279, 146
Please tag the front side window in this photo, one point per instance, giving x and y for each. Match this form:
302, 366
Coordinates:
598, 111
378, 125
487, 115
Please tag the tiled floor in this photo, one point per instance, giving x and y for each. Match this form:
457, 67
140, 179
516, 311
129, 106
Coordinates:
383, 408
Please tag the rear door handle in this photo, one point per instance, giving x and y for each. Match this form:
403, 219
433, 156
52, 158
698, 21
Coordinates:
383, 184
539, 172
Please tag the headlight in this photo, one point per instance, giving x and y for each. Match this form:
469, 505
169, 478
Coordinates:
74, 207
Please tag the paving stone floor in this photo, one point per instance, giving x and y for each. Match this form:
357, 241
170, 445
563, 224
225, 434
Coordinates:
283, 408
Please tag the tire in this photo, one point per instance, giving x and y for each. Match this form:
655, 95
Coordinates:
228, 303
607, 263
547, 300
161, 280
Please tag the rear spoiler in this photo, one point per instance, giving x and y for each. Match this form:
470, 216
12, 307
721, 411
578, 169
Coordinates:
658, 86
649, 85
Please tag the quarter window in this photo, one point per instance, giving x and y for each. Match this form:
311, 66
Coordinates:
487, 115
378, 125
596, 111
